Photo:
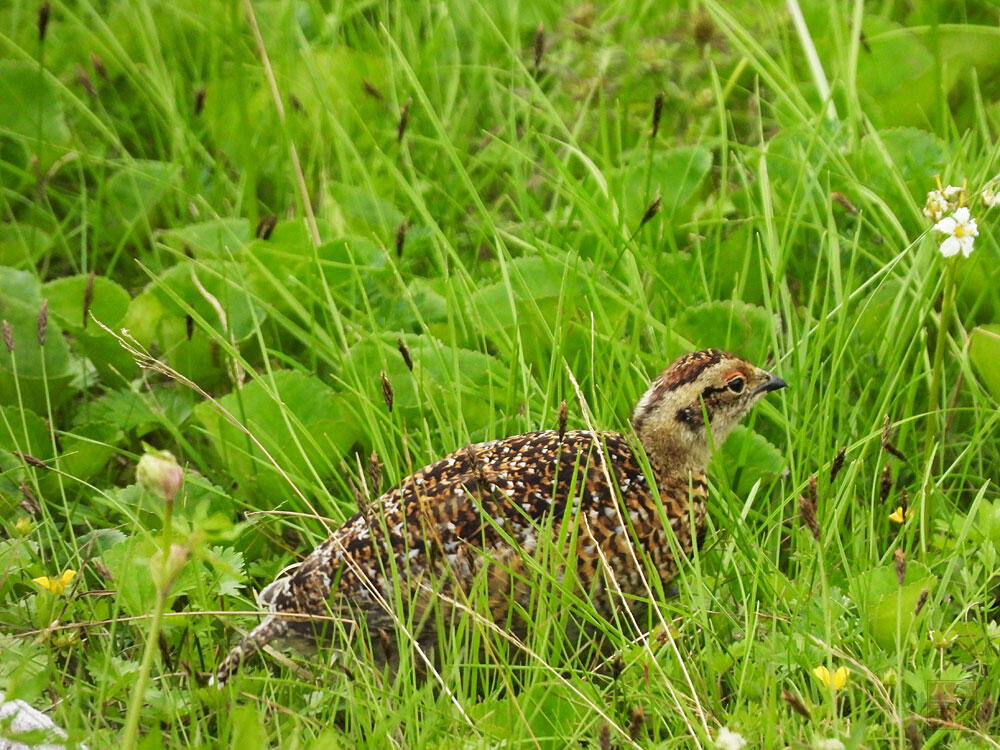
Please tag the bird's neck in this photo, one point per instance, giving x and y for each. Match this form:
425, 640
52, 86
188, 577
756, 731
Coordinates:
675, 456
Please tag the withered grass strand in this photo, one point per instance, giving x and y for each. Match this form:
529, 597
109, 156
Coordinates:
807, 512
899, 560
921, 601
42, 322
405, 354
795, 703
88, 298
387, 394
369, 89
8, 336
838, 463
885, 486
539, 46
657, 114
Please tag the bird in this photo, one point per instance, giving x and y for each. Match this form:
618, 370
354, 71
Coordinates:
480, 512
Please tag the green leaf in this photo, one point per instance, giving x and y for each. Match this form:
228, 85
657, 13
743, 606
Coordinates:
735, 326
301, 423
137, 188
23, 430
745, 457
887, 607
984, 353
29, 104
220, 239
36, 367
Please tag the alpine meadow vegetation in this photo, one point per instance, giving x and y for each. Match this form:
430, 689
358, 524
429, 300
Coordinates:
259, 260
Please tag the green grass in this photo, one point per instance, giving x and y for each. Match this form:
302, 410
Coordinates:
504, 236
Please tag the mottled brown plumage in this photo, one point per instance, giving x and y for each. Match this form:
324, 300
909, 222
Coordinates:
478, 514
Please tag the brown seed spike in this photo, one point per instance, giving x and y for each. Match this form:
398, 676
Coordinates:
405, 353
635, 724
807, 512
539, 46
88, 298
199, 100
42, 322
30, 460
400, 238
885, 486
921, 601
265, 226
657, 114
85, 83
43, 20
605, 737
838, 463
8, 336
913, 734
29, 503
404, 118
899, 559
887, 445
813, 490
795, 703
98, 63
386, 390
652, 210
563, 414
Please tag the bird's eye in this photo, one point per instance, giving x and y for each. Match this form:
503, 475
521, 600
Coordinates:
735, 384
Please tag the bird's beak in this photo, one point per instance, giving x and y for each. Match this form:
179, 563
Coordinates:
772, 383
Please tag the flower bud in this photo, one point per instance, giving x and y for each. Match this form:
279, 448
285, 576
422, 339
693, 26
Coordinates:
159, 473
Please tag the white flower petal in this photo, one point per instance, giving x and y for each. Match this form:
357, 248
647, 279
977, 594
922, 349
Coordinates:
962, 215
966, 243
950, 246
946, 225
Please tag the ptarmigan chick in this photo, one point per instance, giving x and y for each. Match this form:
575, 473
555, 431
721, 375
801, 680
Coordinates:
475, 516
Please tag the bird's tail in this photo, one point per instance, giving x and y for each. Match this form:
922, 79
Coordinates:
270, 629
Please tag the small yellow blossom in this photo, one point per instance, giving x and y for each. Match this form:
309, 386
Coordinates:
838, 680
23, 526
899, 515
56, 585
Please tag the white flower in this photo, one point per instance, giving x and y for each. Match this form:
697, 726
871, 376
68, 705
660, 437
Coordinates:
937, 205
729, 740
990, 197
961, 230
951, 192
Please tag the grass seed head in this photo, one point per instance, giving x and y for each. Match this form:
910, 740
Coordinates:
44, 11
657, 114
795, 703
838, 463
807, 512
899, 559
8, 336
539, 46
42, 322
921, 601
885, 486
387, 394
404, 119
405, 354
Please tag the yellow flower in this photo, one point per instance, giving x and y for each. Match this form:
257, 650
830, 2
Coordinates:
838, 680
23, 526
56, 585
899, 515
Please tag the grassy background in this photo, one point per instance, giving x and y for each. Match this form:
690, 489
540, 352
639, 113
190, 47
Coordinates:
483, 184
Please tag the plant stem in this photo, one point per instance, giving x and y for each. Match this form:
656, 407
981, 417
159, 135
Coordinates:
931, 435
163, 586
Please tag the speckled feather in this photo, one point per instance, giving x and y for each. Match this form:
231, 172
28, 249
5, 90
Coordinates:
488, 503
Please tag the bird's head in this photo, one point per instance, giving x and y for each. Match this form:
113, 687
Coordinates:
670, 419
